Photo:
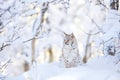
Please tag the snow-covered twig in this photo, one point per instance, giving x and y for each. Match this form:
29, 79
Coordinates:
3, 46
93, 21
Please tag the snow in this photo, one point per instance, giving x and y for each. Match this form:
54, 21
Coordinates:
19, 22
52, 71
98, 68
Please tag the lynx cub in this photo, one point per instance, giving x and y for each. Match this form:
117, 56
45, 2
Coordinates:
70, 55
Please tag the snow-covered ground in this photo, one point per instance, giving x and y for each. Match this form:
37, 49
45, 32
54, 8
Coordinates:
96, 69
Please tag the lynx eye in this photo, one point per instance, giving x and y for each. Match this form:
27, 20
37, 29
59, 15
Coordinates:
72, 43
73, 47
66, 41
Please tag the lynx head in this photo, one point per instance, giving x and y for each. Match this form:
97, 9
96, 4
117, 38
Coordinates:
69, 39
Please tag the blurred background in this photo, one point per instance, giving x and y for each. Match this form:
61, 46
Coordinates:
32, 31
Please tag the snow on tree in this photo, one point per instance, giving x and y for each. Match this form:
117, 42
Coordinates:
23, 23
28, 27
114, 4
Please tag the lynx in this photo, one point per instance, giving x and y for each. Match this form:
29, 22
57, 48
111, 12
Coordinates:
70, 55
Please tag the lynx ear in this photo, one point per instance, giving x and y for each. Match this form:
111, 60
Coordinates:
65, 34
72, 35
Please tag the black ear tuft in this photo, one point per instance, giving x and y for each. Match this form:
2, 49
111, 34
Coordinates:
72, 35
67, 34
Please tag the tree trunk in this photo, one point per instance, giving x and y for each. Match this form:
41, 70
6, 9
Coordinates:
51, 58
87, 48
33, 50
26, 66
49, 54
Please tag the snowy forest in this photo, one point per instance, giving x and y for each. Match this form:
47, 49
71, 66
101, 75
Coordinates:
59, 40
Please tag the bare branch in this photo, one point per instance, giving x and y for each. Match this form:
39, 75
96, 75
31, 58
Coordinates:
5, 65
100, 2
95, 24
3, 46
